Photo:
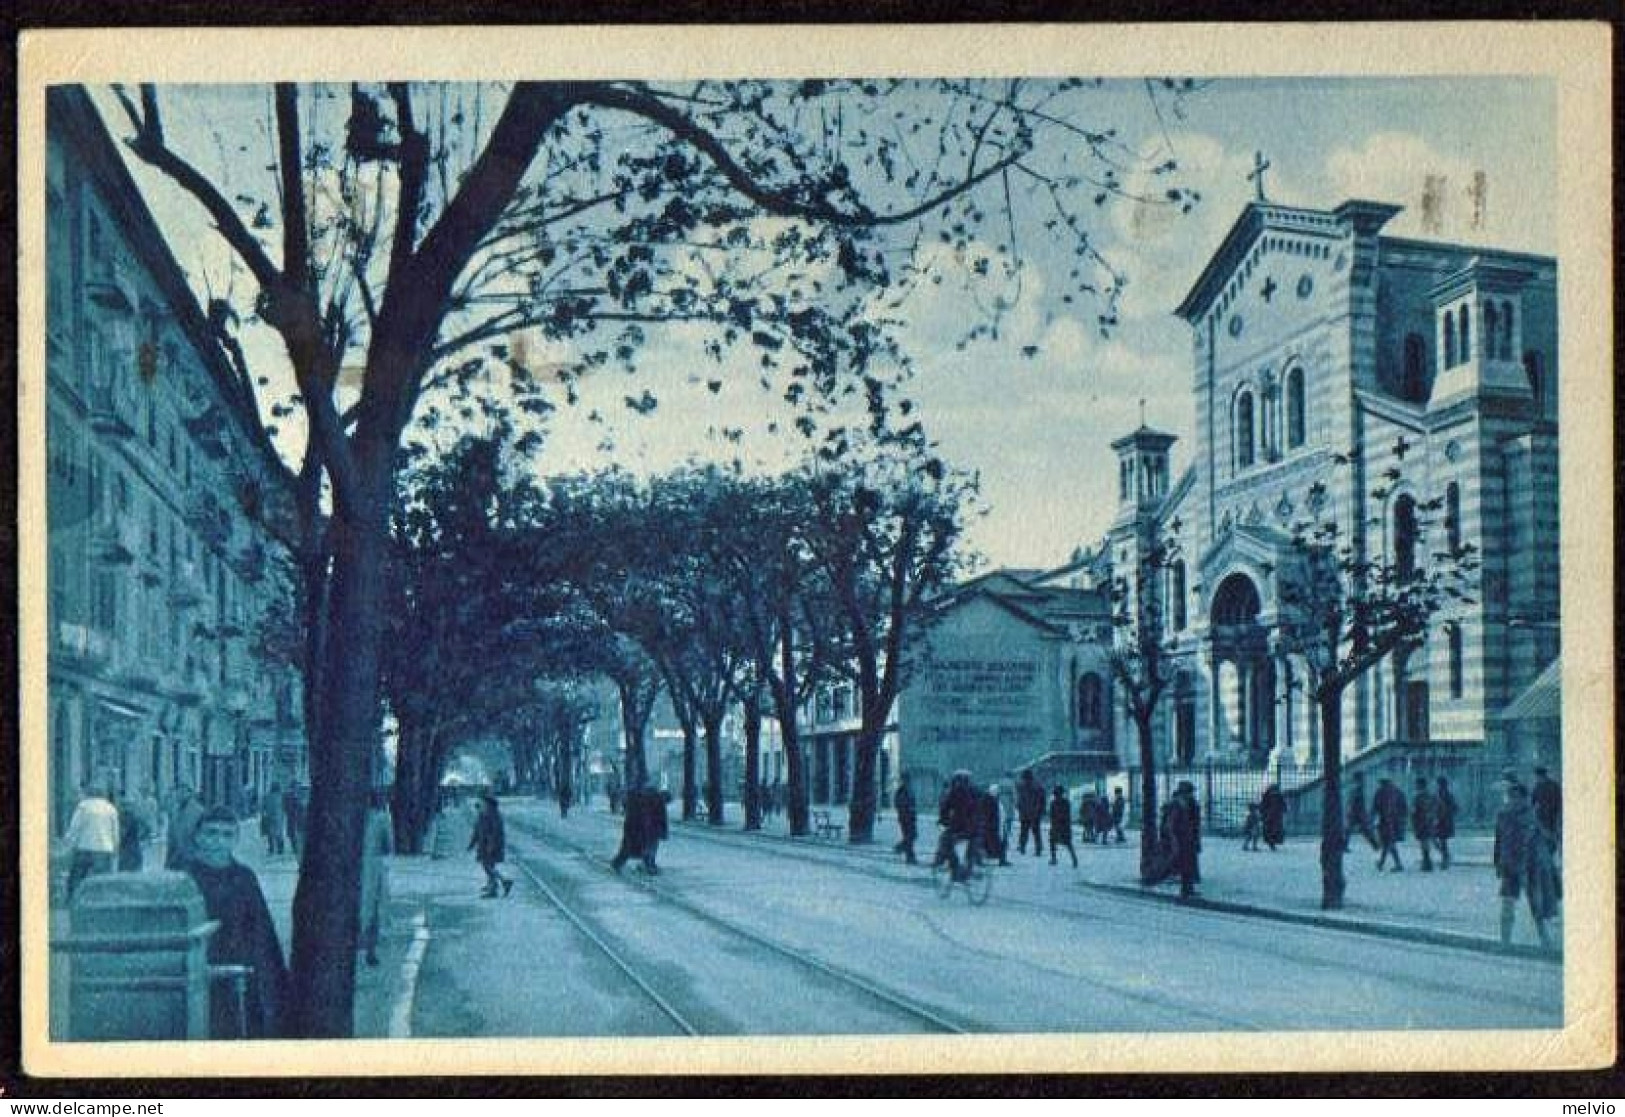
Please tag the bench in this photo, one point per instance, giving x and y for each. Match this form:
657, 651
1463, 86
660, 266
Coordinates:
826, 826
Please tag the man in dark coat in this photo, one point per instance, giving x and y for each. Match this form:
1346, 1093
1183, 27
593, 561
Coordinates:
1119, 810
1444, 826
1358, 817
957, 816
655, 826
1029, 812
1389, 807
1547, 800
1103, 819
1060, 825
1424, 821
1523, 861
1272, 816
1183, 821
246, 938
988, 815
490, 845
634, 818
907, 819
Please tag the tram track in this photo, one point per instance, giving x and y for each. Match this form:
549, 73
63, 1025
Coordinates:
1274, 950
933, 1020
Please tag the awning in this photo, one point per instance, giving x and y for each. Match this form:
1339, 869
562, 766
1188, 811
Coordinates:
1542, 699
111, 705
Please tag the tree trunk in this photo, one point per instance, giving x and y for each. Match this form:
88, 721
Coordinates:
325, 906
860, 821
713, 766
634, 721
407, 800
753, 759
1149, 838
691, 778
1332, 837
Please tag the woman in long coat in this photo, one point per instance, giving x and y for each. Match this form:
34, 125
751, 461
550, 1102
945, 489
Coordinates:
490, 846
1272, 816
377, 843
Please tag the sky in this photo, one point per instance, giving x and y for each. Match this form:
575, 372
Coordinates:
1037, 429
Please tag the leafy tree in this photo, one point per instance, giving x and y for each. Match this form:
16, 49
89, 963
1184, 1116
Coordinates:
1140, 660
1348, 606
417, 228
885, 535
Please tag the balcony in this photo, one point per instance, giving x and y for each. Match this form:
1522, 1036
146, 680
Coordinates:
186, 587
114, 543
207, 427
90, 646
209, 519
112, 411
109, 285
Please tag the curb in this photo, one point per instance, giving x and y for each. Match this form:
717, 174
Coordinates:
1334, 923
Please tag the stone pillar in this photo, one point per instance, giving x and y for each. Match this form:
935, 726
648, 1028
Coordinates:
1219, 734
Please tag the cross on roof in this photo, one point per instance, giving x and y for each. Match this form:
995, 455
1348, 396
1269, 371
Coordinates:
1269, 287
1256, 175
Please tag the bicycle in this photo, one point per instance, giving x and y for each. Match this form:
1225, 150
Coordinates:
969, 871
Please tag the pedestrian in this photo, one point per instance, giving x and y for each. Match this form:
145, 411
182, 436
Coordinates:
612, 788
93, 835
1272, 816
1547, 800
634, 817
987, 807
907, 820
1444, 827
246, 936
957, 818
184, 815
1119, 811
1359, 818
1523, 862
490, 845
1389, 807
656, 826
1424, 821
377, 843
1007, 814
1030, 812
132, 833
1103, 819
1086, 817
1060, 825
1251, 828
274, 821
293, 808
1183, 823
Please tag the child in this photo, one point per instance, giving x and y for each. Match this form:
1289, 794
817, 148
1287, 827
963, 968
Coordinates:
1250, 828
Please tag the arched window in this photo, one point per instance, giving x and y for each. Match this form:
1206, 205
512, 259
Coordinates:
1453, 635
1452, 515
1414, 386
1405, 538
1466, 325
1244, 430
1177, 592
1492, 332
1449, 340
1506, 331
1537, 375
1294, 408
1091, 702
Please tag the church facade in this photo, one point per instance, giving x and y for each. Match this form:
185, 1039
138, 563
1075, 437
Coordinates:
1402, 389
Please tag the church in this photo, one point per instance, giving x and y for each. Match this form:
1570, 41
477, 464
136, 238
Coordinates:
1406, 390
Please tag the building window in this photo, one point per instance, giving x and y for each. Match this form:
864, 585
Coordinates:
1091, 702
1294, 408
1452, 516
1466, 344
1506, 331
1405, 538
1453, 637
1449, 339
1414, 386
1492, 332
1244, 430
1177, 594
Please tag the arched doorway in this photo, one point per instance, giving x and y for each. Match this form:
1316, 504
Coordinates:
1243, 677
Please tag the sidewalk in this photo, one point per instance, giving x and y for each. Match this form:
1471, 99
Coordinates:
1458, 907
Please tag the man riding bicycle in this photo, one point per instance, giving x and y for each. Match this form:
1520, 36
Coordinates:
957, 816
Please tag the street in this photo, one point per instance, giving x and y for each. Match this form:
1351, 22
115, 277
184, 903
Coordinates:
752, 935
